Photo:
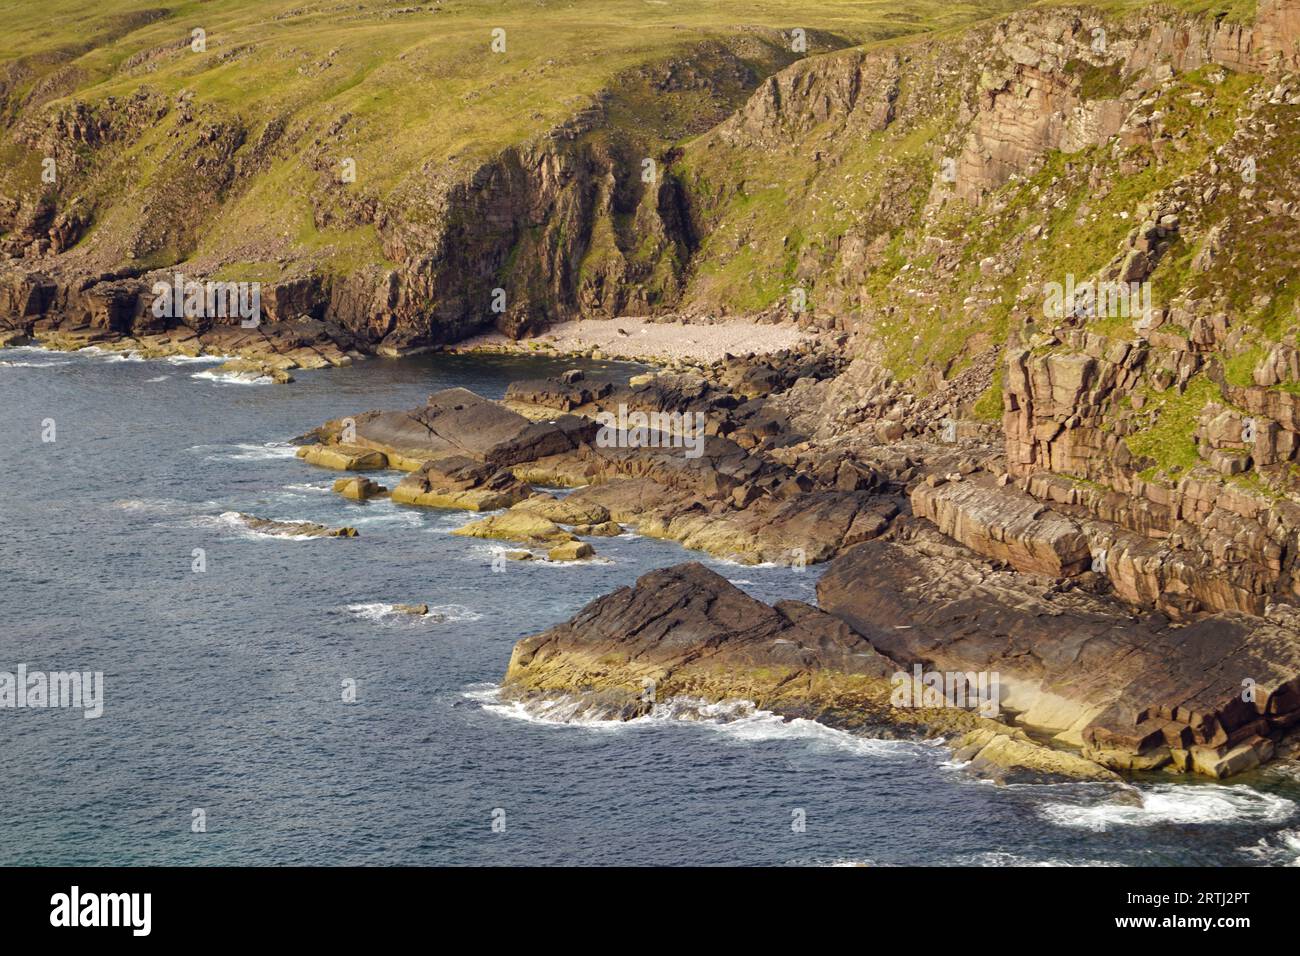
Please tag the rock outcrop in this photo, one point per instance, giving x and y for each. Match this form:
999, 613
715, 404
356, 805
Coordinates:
1135, 692
686, 631
291, 529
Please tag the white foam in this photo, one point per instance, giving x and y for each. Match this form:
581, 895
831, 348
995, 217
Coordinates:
267, 451
110, 355
50, 364
1002, 858
159, 378
1280, 849
233, 521
1170, 803
162, 506
407, 519
196, 359
323, 488
737, 719
380, 613
235, 378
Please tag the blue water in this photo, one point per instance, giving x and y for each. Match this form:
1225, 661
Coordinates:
223, 689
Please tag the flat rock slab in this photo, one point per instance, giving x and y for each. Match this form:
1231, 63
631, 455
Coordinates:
1005, 525
1138, 692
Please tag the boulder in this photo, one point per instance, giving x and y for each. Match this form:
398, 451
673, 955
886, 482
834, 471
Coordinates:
571, 551
518, 526
456, 423
360, 489
461, 483
606, 529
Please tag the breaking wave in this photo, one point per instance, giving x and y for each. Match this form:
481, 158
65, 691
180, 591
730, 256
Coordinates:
267, 451
1172, 804
388, 614
737, 719
235, 378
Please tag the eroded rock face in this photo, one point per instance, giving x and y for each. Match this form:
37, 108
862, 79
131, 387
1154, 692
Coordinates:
1191, 543
72, 309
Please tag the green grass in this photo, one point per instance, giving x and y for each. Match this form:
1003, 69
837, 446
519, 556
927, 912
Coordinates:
425, 97
1169, 440
1239, 369
988, 407
1098, 82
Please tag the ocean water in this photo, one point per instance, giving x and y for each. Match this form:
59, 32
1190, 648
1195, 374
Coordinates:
223, 690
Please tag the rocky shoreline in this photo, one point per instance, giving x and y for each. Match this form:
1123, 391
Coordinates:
935, 561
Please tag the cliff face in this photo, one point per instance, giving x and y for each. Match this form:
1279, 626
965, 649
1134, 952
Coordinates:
578, 220
908, 192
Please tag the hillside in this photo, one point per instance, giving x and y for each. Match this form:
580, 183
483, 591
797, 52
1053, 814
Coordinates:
399, 160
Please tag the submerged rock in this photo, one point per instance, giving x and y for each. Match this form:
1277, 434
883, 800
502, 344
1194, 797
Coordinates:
251, 368
415, 610
293, 529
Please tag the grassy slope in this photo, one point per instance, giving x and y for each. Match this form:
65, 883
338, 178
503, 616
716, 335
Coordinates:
419, 80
